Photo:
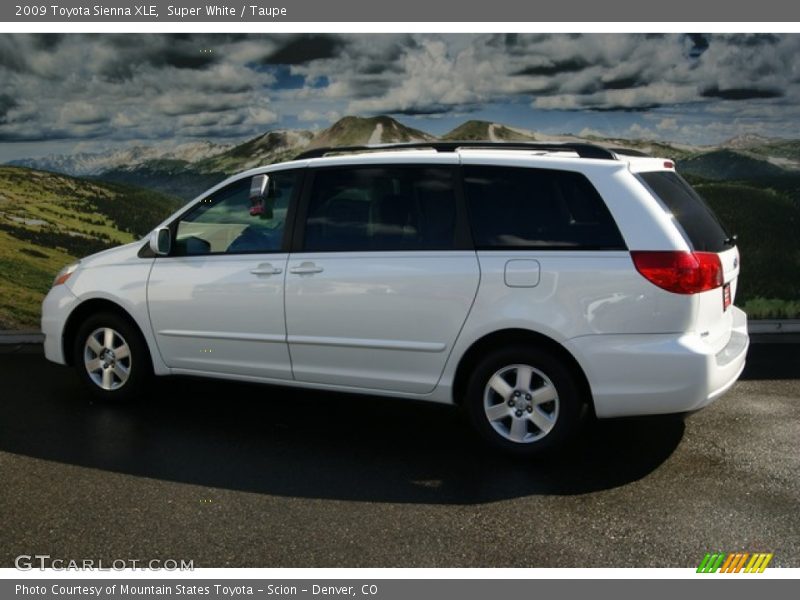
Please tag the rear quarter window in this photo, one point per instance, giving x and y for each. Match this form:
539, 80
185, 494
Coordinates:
542, 209
699, 225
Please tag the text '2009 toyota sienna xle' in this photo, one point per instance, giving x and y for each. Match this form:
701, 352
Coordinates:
526, 283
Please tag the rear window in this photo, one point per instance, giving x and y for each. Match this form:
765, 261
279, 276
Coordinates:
513, 207
701, 228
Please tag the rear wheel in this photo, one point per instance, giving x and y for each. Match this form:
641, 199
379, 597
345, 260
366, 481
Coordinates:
523, 400
111, 358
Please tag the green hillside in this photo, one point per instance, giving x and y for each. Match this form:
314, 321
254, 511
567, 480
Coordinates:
175, 178
727, 165
766, 222
47, 220
788, 149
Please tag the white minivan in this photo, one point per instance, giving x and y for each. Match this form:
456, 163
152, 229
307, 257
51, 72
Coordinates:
528, 283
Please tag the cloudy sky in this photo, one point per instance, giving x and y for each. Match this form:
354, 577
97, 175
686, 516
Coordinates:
70, 92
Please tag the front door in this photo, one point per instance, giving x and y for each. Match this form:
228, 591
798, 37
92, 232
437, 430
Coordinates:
216, 302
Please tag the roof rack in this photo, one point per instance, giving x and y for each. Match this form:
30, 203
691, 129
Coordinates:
629, 152
581, 149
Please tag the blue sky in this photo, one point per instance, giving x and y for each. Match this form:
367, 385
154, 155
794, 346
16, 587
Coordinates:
63, 93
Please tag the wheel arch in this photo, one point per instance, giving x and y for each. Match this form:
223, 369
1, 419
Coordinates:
480, 347
88, 308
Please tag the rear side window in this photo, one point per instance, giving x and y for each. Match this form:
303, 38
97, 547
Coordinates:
701, 228
511, 207
381, 208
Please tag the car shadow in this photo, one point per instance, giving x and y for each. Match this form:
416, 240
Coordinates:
773, 357
289, 442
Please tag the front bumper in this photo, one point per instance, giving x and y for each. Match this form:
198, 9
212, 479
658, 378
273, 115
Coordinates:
56, 307
632, 375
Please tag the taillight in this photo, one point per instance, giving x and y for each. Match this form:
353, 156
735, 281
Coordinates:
680, 272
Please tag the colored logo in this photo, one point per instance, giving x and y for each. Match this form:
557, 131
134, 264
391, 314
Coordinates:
738, 562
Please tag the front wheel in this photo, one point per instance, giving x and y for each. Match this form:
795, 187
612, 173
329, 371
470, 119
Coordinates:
111, 358
523, 400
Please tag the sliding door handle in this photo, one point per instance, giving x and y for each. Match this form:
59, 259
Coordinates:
306, 268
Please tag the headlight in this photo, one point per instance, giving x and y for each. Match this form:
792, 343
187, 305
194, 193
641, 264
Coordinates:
65, 273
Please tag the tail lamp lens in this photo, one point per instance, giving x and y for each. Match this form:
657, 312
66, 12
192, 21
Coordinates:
680, 272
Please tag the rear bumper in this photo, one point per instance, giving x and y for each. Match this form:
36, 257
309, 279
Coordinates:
56, 307
659, 374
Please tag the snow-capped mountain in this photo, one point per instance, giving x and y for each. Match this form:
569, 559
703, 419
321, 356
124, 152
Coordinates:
95, 163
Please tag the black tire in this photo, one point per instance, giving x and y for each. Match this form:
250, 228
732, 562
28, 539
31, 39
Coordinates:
548, 373
137, 361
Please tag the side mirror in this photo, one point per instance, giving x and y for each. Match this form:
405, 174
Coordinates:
261, 199
161, 241
258, 187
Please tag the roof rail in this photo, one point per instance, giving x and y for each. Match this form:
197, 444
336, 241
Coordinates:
628, 152
581, 149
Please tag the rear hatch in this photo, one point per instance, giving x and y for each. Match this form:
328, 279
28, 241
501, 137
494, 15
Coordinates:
703, 232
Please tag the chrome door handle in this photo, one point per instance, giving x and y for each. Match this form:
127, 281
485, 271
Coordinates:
266, 269
306, 268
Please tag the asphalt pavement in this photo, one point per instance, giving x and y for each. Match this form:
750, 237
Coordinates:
236, 475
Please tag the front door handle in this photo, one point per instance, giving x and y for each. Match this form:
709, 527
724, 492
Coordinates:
266, 269
306, 268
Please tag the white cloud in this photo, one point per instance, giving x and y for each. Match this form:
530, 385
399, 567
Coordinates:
81, 112
667, 124
260, 116
309, 115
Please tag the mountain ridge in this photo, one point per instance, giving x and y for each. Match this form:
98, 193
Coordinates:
188, 169
83, 164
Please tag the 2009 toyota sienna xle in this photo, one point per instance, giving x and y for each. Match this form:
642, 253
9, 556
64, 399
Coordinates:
525, 282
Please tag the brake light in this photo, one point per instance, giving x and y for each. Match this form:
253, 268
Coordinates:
680, 272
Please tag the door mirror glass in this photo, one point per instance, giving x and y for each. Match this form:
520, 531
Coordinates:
161, 241
262, 197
